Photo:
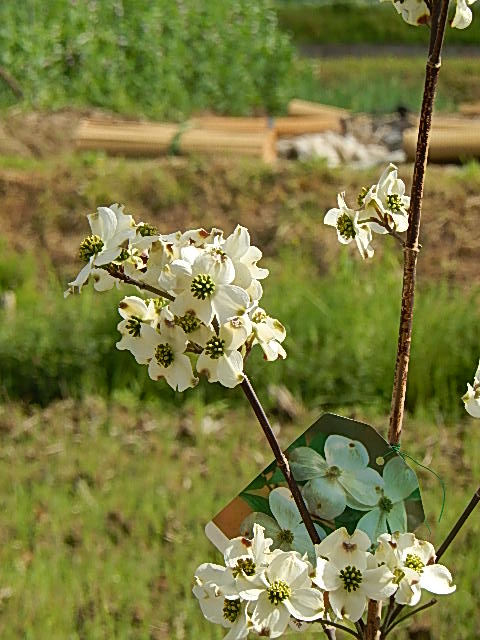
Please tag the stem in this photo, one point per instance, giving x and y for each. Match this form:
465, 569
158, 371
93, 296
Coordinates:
280, 458
459, 524
329, 623
439, 18
116, 273
374, 619
429, 604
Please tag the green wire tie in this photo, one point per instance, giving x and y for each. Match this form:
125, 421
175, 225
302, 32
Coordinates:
174, 148
395, 448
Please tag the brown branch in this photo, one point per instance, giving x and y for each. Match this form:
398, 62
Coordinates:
11, 82
374, 620
439, 18
459, 524
280, 458
120, 275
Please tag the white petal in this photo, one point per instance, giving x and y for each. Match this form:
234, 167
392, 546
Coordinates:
325, 497
378, 583
373, 523
179, 374
437, 579
347, 454
400, 480
397, 517
228, 301
365, 485
344, 549
463, 15
408, 592
348, 605
269, 525
287, 566
331, 217
230, 369
237, 243
208, 366
102, 280
306, 464
305, 604
327, 575
269, 621
284, 509
186, 303
82, 277
132, 306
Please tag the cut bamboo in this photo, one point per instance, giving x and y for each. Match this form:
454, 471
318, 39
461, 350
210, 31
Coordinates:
283, 127
307, 108
453, 122
470, 108
446, 145
140, 139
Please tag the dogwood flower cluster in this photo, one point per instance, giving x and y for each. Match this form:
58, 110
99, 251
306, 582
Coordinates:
416, 12
204, 311
263, 592
382, 208
471, 398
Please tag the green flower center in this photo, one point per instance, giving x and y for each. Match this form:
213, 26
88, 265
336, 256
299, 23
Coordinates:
122, 256
260, 316
147, 230
89, 247
361, 196
412, 561
394, 203
351, 577
188, 322
231, 610
245, 566
399, 575
334, 472
202, 286
133, 326
164, 355
385, 504
214, 348
345, 226
158, 303
285, 535
278, 592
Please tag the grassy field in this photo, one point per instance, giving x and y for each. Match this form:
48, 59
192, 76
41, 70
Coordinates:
104, 506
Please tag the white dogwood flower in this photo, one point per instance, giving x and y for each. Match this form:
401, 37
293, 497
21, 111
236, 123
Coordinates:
390, 513
220, 360
414, 12
471, 398
463, 14
231, 613
345, 220
111, 231
207, 289
286, 590
286, 528
269, 334
168, 360
137, 327
244, 257
348, 573
388, 199
341, 479
412, 562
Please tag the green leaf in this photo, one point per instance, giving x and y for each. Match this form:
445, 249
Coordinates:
415, 495
349, 519
299, 442
278, 477
318, 443
257, 503
258, 483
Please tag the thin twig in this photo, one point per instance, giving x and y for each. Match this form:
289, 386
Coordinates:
391, 231
429, 604
280, 458
459, 524
116, 273
329, 623
439, 18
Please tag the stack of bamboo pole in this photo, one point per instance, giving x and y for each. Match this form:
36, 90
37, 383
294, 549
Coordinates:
453, 138
208, 134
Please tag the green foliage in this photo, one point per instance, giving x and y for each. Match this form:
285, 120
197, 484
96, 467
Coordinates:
163, 59
361, 23
341, 337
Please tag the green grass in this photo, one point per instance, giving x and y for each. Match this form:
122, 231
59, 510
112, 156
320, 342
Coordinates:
350, 23
104, 507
